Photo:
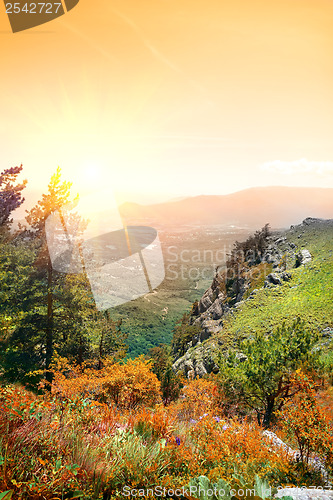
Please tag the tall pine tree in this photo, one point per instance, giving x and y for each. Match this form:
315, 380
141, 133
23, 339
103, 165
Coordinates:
57, 197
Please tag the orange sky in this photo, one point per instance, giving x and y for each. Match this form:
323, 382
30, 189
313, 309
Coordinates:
163, 98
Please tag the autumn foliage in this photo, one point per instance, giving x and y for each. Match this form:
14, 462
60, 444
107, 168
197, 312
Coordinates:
126, 386
307, 423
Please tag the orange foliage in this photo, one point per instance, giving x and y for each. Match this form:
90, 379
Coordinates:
157, 424
306, 421
223, 446
198, 397
69, 439
125, 385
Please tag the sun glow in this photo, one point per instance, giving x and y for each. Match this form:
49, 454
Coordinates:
91, 174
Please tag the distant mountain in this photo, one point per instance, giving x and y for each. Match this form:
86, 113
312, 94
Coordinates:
280, 206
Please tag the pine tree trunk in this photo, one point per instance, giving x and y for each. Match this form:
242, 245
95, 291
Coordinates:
101, 351
269, 411
49, 325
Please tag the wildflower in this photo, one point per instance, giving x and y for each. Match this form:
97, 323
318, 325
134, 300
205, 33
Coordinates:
217, 419
225, 427
192, 421
204, 415
177, 441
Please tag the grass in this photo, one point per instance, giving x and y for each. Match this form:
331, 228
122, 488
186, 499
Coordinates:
308, 294
52, 449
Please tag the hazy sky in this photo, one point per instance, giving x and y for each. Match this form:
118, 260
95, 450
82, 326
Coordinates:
164, 98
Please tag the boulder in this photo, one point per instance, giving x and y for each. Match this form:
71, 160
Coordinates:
197, 362
312, 220
206, 300
274, 278
295, 455
303, 257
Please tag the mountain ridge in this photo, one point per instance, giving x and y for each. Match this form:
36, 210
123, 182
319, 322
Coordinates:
252, 207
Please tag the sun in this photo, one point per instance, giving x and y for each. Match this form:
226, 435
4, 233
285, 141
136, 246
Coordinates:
91, 174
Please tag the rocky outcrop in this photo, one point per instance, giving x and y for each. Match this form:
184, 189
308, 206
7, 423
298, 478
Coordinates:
225, 296
197, 362
277, 278
303, 257
209, 313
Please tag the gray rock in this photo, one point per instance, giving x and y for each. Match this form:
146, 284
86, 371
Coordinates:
281, 240
327, 332
215, 311
294, 455
211, 326
312, 220
278, 443
274, 278
206, 300
241, 357
303, 257
197, 362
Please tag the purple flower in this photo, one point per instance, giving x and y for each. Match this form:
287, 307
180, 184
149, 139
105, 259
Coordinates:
225, 427
217, 419
192, 421
177, 441
204, 415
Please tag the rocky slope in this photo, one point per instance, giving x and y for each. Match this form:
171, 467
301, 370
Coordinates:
281, 254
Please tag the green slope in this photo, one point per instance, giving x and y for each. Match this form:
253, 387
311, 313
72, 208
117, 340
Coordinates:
309, 294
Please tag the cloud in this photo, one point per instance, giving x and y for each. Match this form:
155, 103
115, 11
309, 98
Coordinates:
302, 166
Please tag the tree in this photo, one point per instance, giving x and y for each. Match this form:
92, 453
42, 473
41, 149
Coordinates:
10, 194
259, 375
304, 419
58, 197
171, 383
75, 323
183, 334
112, 340
18, 353
43, 311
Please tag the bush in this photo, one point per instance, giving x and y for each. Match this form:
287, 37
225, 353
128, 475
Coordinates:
305, 421
198, 397
261, 376
127, 385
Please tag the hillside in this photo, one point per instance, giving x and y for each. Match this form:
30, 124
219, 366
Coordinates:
190, 258
261, 421
278, 289
281, 206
